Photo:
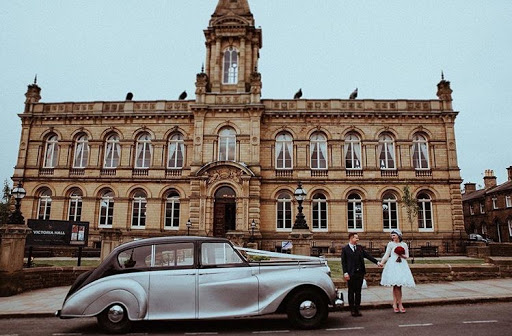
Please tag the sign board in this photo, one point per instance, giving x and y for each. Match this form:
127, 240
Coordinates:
286, 245
57, 233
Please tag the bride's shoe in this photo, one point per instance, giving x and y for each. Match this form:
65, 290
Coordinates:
402, 310
395, 309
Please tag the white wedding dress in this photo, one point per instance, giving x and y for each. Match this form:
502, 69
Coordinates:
396, 273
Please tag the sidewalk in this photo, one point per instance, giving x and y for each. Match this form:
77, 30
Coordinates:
44, 302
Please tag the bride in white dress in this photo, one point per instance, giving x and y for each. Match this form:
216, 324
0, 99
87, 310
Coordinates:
396, 271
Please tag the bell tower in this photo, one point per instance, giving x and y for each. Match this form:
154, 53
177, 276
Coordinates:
232, 51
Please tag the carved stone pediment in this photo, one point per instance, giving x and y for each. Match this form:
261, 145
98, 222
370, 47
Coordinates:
224, 171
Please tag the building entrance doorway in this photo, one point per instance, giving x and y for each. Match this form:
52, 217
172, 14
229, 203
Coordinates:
224, 211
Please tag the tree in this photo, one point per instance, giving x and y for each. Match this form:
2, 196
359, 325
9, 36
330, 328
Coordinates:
410, 204
5, 203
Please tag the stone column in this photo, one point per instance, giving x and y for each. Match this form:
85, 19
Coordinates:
12, 250
301, 240
110, 239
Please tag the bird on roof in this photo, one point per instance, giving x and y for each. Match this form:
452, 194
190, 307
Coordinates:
298, 94
183, 95
353, 95
129, 96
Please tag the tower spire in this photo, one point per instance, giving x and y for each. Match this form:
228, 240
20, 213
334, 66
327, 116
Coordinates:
232, 7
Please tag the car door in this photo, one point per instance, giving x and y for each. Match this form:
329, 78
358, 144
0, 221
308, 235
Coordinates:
228, 286
173, 282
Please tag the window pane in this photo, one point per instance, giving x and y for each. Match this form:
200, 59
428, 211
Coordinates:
219, 254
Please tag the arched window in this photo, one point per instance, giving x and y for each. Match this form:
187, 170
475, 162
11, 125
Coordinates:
51, 151
389, 212
355, 213
352, 151
75, 205
284, 212
319, 212
176, 152
386, 152
420, 152
139, 209
112, 152
81, 154
172, 211
106, 209
45, 204
425, 212
143, 151
230, 66
227, 144
318, 147
284, 151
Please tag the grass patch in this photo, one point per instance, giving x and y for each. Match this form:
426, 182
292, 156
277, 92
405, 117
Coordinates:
63, 263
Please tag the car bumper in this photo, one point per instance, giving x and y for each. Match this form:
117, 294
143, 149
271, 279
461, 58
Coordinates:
338, 303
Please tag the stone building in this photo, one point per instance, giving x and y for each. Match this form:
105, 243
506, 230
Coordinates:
228, 158
488, 211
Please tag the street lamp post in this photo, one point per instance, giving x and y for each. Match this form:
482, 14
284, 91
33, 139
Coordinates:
253, 226
189, 225
300, 219
16, 216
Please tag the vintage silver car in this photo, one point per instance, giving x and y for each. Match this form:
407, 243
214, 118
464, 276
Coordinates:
178, 278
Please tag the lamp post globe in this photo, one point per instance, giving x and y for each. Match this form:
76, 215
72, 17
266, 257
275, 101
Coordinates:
300, 220
189, 225
253, 226
16, 216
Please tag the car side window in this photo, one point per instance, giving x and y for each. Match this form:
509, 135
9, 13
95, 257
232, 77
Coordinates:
138, 257
174, 255
217, 254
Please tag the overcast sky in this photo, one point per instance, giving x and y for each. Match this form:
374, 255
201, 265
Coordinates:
98, 50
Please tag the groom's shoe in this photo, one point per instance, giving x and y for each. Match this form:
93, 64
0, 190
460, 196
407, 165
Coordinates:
357, 313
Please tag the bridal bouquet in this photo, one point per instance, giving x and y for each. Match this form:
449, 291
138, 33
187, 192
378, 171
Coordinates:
399, 250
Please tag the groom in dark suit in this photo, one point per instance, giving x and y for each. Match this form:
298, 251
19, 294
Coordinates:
352, 261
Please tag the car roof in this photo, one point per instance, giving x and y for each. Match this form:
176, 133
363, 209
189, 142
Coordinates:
168, 239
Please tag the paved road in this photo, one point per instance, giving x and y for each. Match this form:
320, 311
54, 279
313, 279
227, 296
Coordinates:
467, 320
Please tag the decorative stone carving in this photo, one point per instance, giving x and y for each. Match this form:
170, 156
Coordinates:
224, 173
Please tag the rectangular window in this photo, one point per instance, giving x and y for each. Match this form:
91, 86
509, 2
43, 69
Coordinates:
320, 215
425, 215
106, 212
508, 201
219, 254
284, 215
75, 210
471, 210
172, 214
355, 216
390, 216
510, 227
174, 255
482, 208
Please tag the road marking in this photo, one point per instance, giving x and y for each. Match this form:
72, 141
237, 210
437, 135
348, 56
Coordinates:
66, 334
202, 333
341, 329
270, 331
488, 321
9, 335
415, 325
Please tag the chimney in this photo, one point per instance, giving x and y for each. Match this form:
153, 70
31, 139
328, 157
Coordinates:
489, 179
509, 170
469, 187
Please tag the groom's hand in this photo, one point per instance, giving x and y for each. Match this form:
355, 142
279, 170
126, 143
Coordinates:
346, 276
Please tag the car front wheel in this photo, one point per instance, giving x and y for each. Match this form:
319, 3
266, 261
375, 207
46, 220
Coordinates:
114, 319
307, 309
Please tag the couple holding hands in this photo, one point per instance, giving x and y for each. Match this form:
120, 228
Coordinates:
396, 271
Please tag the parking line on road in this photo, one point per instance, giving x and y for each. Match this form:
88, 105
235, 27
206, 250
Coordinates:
8, 334
415, 325
488, 321
66, 334
341, 329
202, 333
270, 331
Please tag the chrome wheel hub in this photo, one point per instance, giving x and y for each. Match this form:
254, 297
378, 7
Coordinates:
115, 314
307, 309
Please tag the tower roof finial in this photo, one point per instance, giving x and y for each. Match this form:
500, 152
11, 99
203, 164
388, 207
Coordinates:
35, 79
442, 75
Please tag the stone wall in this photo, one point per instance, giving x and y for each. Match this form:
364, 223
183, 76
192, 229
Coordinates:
440, 273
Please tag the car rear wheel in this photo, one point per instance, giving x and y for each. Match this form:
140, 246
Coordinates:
307, 309
114, 319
